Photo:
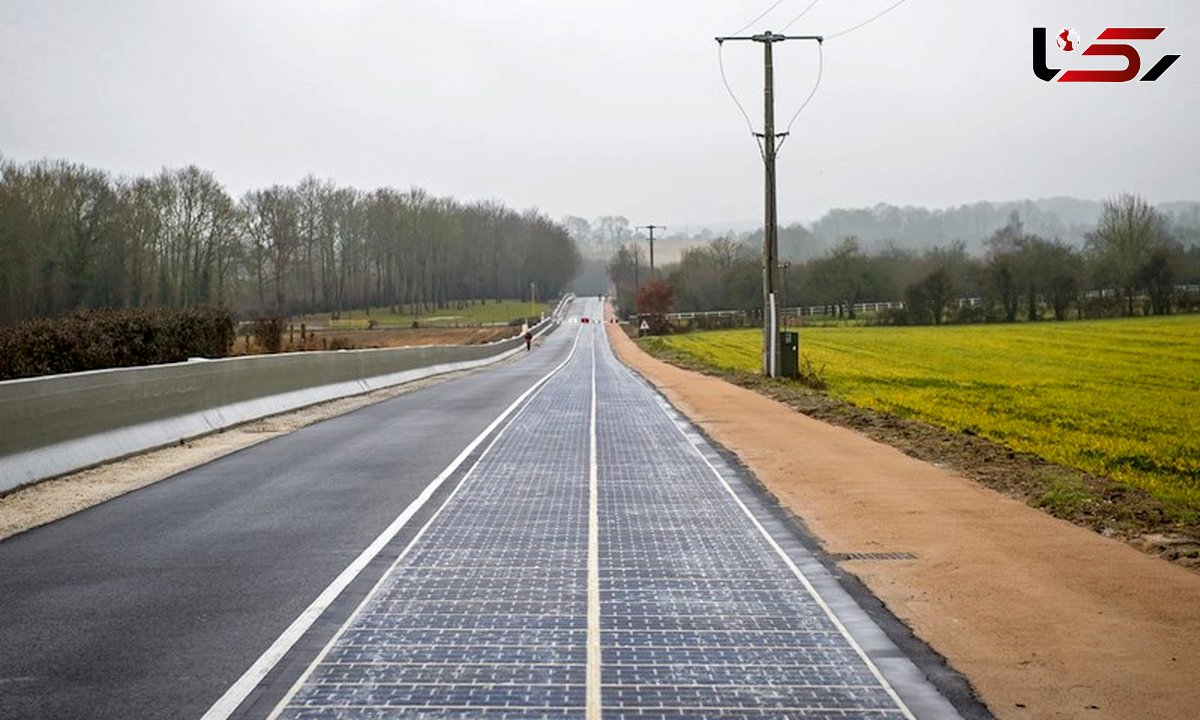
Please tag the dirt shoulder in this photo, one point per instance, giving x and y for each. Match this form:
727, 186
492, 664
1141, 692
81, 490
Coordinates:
1045, 618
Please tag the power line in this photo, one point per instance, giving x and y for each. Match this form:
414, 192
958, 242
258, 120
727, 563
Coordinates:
728, 89
868, 21
764, 13
821, 59
725, 78
787, 131
802, 14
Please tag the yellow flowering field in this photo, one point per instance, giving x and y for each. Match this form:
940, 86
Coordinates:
1119, 398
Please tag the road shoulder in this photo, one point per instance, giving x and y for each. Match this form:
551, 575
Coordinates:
1046, 619
44, 502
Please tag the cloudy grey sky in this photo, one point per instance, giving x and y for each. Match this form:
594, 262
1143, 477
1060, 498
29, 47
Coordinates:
592, 107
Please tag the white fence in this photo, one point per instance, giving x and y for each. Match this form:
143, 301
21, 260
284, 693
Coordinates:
831, 309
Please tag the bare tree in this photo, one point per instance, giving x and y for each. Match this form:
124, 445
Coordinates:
1129, 232
271, 223
1003, 270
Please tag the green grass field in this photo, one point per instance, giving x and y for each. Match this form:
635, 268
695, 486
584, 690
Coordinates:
1118, 398
480, 312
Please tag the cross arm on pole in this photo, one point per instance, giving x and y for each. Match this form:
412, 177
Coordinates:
769, 36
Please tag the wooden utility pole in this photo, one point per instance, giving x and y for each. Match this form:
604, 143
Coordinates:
651, 228
770, 354
637, 285
770, 226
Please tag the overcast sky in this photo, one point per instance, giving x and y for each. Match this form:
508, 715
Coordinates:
595, 107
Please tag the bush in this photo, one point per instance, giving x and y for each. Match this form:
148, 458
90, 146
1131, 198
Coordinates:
530, 321
1100, 307
892, 316
1187, 301
98, 339
654, 300
970, 315
268, 333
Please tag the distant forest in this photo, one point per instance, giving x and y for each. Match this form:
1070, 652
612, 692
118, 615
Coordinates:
1066, 219
988, 262
885, 227
73, 237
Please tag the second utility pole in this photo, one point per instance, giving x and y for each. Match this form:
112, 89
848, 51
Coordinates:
651, 228
770, 221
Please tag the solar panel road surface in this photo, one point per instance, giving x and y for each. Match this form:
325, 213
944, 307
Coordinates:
597, 561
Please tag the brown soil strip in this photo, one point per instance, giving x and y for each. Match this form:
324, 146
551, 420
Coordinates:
1045, 618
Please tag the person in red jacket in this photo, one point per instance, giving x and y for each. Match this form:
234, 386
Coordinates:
528, 339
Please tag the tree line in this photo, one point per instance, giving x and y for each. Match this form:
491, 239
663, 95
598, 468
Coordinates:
1133, 261
918, 228
73, 237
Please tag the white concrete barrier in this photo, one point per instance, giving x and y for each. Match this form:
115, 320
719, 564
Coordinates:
61, 423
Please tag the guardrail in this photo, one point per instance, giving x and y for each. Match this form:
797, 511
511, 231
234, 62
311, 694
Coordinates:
61, 423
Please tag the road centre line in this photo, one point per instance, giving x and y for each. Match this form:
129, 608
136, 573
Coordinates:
593, 707
237, 693
304, 676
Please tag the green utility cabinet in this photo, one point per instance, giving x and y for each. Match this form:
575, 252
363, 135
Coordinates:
789, 354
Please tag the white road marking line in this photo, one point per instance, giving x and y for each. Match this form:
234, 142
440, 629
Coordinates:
237, 693
812, 591
593, 563
358, 611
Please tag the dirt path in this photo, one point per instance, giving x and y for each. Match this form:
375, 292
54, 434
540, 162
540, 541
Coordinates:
1046, 619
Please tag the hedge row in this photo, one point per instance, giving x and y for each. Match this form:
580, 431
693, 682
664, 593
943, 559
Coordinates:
96, 339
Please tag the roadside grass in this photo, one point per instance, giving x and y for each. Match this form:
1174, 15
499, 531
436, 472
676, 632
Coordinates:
1066, 496
458, 313
1117, 398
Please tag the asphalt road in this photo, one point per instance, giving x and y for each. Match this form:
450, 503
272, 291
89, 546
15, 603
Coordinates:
597, 561
592, 556
153, 604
